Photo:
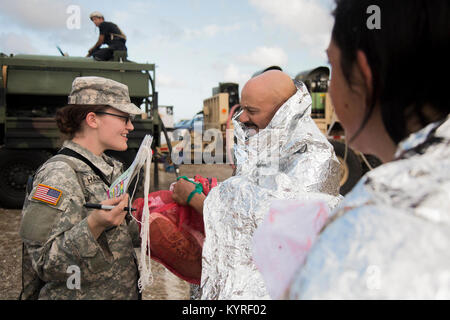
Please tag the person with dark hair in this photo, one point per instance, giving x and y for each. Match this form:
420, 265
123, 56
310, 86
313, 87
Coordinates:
110, 34
389, 238
69, 251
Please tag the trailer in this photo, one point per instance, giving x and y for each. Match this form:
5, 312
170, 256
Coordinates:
33, 87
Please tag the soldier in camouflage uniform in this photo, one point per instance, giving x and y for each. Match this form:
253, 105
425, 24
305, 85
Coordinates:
62, 239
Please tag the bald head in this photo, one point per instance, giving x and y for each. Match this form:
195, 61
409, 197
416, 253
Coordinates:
263, 95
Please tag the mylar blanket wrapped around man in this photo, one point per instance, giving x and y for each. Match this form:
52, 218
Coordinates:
176, 232
290, 159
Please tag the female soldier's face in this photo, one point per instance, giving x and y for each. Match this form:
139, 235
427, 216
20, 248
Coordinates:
113, 130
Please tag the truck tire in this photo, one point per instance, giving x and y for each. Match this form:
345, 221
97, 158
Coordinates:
15, 168
351, 170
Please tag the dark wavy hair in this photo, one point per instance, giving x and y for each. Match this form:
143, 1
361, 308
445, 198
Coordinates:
408, 57
69, 118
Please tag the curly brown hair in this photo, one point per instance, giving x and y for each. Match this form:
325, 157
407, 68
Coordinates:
70, 117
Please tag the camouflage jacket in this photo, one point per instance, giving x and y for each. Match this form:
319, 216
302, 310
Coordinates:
58, 240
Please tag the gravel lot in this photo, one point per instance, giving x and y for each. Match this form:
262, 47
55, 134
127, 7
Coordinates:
165, 286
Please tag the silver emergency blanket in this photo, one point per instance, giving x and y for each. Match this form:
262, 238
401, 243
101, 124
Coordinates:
390, 237
289, 159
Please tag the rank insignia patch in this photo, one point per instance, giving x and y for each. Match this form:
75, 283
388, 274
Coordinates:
47, 194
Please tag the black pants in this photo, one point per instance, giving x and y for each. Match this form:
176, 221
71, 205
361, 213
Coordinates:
106, 54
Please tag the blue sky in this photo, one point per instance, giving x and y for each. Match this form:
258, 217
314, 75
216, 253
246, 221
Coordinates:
195, 44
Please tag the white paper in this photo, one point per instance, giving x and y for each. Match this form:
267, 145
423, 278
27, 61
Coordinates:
121, 184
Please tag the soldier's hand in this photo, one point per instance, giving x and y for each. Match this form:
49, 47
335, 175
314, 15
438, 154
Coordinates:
99, 220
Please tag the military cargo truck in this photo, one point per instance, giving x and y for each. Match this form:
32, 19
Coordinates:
33, 87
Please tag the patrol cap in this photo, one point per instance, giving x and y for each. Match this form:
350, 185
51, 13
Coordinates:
102, 91
95, 14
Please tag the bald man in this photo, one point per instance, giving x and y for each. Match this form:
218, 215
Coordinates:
275, 117
262, 96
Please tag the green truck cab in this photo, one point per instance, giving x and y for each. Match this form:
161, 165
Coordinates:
33, 87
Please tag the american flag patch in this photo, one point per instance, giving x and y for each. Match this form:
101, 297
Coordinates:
47, 194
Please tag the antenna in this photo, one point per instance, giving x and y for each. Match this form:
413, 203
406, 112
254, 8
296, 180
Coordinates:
62, 53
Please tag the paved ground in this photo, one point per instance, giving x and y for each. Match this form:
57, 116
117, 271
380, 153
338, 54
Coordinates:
166, 286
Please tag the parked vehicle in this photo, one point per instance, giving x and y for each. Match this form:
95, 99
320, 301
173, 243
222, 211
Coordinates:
195, 123
182, 124
33, 87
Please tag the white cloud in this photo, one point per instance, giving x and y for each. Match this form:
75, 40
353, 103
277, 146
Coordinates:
16, 44
233, 74
265, 56
210, 30
308, 19
48, 23
37, 14
168, 33
165, 80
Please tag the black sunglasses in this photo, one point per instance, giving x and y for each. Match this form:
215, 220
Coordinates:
126, 118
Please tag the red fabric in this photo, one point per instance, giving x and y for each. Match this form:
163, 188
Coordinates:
176, 232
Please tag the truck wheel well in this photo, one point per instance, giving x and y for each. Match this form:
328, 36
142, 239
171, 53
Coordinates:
15, 167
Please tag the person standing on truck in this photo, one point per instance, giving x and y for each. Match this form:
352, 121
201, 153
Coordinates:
110, 34
69, 251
